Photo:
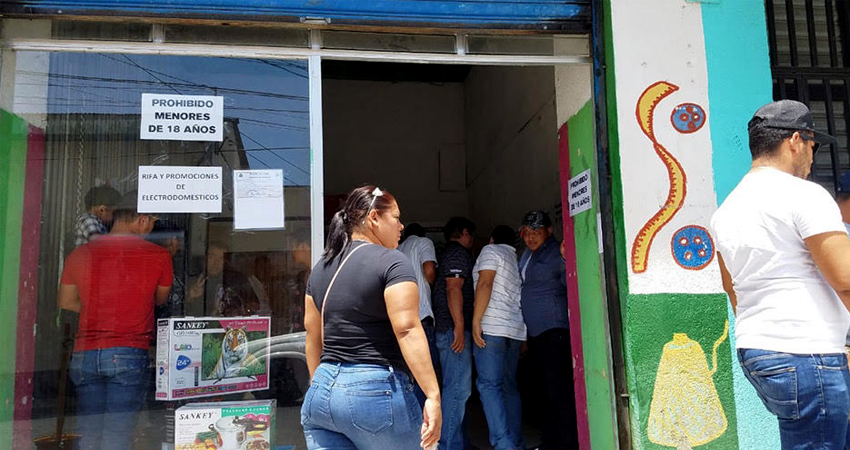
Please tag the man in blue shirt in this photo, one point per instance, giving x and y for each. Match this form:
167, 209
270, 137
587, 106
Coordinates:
452, 301
544, 308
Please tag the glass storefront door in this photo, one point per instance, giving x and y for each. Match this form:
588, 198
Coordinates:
77, 128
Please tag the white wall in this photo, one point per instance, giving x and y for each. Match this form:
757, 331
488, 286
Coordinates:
391, 134
505, 118
512, 144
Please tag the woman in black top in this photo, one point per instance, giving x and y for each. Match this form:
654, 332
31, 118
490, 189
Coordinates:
364, 337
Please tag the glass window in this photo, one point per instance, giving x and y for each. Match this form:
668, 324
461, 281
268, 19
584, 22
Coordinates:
422, 43
114, 31
72, 123
234, 35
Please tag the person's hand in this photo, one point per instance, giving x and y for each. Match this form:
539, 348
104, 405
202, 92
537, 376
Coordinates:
457, 343
477, 335
432, 422
523, 348
197, 289
563, 249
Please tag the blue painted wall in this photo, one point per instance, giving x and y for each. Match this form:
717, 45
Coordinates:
739, 82
534, 14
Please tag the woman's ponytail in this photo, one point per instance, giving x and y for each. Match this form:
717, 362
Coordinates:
339, 237
356, 207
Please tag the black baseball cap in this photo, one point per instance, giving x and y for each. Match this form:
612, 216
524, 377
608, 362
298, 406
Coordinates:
791, 115
536, 219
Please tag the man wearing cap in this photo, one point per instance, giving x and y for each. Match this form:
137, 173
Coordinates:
784, 256
114, 282
544, 308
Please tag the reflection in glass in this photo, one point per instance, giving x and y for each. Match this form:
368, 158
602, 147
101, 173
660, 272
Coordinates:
86, 109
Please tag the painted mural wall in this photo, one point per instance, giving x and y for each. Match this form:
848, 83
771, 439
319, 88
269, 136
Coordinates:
684, 387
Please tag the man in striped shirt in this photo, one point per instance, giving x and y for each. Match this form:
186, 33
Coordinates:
498, 330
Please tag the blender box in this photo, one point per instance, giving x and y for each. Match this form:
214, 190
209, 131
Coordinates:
211, 356
240, 425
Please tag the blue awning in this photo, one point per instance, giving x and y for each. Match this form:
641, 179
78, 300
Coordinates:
554, 15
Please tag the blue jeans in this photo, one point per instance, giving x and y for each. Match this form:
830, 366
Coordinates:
457, 386
360, 407
809, 394
111, 387
497, 364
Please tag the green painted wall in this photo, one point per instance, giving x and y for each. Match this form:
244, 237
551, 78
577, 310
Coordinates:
13, 151
650, 322
594, 320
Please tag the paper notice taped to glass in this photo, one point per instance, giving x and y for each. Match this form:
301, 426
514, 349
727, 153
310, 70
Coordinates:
258, 199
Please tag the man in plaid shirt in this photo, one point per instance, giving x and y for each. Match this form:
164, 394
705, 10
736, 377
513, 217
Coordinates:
100, 202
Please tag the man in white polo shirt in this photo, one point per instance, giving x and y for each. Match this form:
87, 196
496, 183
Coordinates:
498, 330
420, 250
784, 258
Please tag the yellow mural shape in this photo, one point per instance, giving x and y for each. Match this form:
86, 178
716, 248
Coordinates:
685, 411
645, 112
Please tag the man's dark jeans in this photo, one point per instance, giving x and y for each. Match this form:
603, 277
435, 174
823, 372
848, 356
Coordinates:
551, 357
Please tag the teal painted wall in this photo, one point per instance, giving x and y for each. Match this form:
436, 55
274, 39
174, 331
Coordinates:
736, 90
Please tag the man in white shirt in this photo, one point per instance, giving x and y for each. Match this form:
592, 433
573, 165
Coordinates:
784, 256
420, 250
498, 330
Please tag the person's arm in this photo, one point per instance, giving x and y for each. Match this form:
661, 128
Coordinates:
454, 295
161, 295
429, 271
726, 278
831, 253
483, 290
313, 327
196, 291
69, 297
402, 300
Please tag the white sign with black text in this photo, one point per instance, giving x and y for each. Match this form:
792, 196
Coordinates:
258, 199
182, 117
579, 192
176, 189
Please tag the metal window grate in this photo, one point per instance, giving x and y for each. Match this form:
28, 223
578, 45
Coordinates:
807, 39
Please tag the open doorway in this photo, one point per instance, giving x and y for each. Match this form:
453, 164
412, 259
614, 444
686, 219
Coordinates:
449, 140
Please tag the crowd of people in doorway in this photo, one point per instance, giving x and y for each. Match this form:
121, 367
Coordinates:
399, 333
480, 313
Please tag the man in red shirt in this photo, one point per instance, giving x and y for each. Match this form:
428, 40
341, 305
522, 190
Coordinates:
113, 283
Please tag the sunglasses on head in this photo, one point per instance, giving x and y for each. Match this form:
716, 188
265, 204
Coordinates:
808, 138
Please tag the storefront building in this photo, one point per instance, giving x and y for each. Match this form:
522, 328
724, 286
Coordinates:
624, 120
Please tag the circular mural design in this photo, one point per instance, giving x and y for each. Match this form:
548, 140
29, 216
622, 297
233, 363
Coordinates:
688, 117
692, 247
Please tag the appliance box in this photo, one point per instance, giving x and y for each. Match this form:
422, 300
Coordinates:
240, 425
211, 356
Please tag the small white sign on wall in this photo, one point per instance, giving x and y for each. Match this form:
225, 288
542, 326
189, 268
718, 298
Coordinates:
579, 192
258, 199
182, 117
177, 189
